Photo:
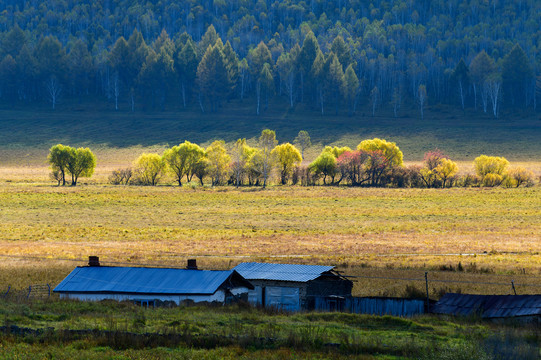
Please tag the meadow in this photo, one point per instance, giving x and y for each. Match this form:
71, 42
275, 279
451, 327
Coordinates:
61, 329
47, 230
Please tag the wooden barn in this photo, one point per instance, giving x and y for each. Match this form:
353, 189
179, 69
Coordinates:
294, 287
153, 285
519, 307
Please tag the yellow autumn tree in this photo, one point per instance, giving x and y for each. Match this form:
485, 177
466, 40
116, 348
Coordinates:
288, 157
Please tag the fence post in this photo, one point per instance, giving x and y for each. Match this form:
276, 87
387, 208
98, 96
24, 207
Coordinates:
427, 297
29, 291
513, 286
49, 288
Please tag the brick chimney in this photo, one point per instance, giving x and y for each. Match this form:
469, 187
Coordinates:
93, 261
192, 264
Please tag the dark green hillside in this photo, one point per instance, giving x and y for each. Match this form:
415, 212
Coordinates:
463, 137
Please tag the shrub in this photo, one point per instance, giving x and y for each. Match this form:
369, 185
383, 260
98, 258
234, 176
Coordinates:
468, 180
121, 176
492, 180
485, 165
148, 169
521, 176
406, 177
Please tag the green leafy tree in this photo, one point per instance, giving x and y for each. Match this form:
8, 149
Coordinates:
148, 169
324, 165
303, 140
81, 163
58, 159
182, 159
288, 157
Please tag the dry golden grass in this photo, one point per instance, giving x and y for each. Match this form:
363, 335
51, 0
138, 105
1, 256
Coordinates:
47, 230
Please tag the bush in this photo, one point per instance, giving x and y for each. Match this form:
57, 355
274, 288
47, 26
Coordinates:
485, 165
121, 176
407, 177
148, 169
492, 180
521, 176
467, 180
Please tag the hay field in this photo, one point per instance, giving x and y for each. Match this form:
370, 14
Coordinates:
394, 233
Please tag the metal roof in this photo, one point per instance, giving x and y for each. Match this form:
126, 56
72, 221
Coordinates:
104, 279
281, 272
489, 306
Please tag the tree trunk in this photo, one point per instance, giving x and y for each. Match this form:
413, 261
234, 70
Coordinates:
184, 95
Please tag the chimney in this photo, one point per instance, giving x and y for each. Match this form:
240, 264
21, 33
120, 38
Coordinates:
93, 261
192, 264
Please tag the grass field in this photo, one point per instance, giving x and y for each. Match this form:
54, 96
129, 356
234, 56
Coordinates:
125, 331
366, 232
474, 240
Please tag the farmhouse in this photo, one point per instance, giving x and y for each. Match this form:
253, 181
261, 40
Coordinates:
151, 285
295, 287
521, 307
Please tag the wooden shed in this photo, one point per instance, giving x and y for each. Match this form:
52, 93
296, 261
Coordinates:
294, 287
151, 285
520, 307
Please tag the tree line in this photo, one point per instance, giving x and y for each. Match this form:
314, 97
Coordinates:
373, 163
331, 56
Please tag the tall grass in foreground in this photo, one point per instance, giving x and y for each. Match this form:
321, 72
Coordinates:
75, 329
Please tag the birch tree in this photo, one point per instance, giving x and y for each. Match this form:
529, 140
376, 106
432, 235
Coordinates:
267, 142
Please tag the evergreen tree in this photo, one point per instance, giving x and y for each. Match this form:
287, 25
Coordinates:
335, 83
212, 78
460, 78
305, 61
341, 50
517, 76
186, 68
351, 89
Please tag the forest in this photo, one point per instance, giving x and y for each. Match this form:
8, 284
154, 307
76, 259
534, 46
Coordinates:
330, 56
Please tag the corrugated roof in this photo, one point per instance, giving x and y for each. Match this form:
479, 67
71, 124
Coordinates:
281, 272
489, 306
103, 279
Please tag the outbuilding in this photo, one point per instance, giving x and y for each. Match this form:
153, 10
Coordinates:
520, 307
150, 285
295, 287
